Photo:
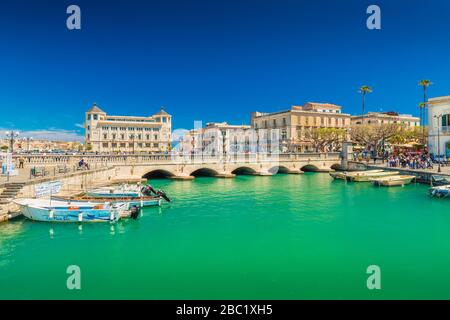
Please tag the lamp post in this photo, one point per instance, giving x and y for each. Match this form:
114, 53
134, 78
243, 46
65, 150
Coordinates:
28, 140
12, 136
438, 117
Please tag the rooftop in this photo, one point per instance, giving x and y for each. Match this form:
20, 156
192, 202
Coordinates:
95, 109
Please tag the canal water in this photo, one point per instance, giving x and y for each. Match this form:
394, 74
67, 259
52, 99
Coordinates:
280, 237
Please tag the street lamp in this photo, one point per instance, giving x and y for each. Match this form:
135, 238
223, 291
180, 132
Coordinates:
28, 140
12, 136
438, 117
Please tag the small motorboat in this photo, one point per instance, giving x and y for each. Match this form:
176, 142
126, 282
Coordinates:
141, 201
63, 211
391, 181
365, 177
440, 191
112, 193
437, 180
344, 175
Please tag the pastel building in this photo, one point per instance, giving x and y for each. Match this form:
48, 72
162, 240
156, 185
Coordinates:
294, 123
127, 134
439, 120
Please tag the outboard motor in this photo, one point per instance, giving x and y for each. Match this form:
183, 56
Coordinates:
163, 195
134, 212
148, 190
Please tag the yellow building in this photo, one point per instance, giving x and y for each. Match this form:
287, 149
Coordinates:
130, 134
295, 123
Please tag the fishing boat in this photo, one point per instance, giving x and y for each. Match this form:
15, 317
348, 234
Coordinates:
141, 201
113, 193
440, 191
365, 177
437, 180
390, 181
345, 174
63, 211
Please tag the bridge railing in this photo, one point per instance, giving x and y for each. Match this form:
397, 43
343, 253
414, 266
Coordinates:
129, 159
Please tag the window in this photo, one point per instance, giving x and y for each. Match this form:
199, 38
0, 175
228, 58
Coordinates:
283, 134
284, 121
105, 136
274, 122
89, 127
164, 120
147, 137
122, 136
156, 145
95, 117
89, 117
131, 129
105, 145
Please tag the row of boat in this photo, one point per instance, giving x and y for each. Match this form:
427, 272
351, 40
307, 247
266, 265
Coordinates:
378, 177
100, 205
392, 178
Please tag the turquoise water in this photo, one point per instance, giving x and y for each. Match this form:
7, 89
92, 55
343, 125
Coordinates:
280, 237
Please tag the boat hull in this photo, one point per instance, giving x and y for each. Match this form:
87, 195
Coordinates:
70, 215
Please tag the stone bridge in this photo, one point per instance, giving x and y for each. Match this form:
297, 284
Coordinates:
187, 167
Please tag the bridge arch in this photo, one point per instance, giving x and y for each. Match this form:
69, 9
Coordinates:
309, 168
244, 171
279, 169
337, 167
158, 174
204, 172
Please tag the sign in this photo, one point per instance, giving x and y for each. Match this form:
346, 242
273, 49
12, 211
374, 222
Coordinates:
47, 189
7, 164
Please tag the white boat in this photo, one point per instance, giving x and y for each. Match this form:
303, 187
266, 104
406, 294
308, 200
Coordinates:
63, 211
343, 175
371, 175
391, 181
113, 193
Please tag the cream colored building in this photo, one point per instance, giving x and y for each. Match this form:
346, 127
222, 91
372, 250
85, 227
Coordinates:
127, 134
439, 119
294, 123
386, 118
217, 138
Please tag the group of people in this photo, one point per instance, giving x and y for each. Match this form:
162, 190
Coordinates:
422, 161
83, 165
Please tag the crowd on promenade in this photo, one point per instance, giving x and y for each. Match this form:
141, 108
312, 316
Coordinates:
411, 161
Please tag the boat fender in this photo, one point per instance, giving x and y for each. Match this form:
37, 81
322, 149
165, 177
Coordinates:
51, 214
80, 217
111, 217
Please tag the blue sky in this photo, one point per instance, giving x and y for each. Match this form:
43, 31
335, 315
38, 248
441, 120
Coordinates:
214, 60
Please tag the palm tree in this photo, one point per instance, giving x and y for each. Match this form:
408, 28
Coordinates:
424, 84
364, 90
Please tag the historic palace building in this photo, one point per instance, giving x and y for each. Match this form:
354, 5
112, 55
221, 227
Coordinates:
294, 123
386, 118
127, 134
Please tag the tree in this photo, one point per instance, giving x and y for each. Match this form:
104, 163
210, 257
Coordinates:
364, 90
325, 138
424, 84
374, 136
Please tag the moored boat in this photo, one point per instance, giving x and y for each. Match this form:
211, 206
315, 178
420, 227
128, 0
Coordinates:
440, 191
144, 201
61, 211
346, 174
365, 177
390, 181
